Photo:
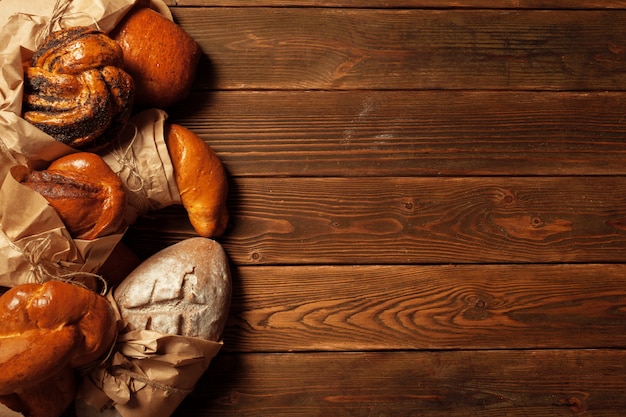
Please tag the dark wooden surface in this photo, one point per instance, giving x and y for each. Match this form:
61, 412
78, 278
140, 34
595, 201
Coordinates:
428, 205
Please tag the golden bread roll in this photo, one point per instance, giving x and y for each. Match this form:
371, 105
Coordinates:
161, 57
201, 180
85, 192
46, 332
75, 89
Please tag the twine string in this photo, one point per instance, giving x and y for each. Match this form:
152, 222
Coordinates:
118, 371
133, 181
59, 12
42, 269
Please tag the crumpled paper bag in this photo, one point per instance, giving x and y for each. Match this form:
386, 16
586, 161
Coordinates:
35, 246
141, 159
24, 24
147, 374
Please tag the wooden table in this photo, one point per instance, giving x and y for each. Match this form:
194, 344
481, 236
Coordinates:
428, 205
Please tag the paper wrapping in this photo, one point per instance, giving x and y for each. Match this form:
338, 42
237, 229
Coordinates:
147, 374
24, 24
35, 245
141, 160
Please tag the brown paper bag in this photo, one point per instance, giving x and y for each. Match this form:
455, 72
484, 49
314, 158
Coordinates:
147, 374
141, 159
24, 24
35, 246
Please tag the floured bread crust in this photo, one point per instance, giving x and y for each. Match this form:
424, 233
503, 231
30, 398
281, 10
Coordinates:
185, 289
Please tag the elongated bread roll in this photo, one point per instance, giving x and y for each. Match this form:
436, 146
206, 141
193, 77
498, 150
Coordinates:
201, 180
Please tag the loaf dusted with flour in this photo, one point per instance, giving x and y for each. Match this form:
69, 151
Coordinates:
185, 289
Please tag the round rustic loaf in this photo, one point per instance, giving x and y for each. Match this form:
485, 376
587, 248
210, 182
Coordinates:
161, 57
184, 289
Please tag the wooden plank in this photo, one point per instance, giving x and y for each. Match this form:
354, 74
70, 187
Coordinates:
450, 383
401, 133
298, 221
486, 4
319, 48
361, 308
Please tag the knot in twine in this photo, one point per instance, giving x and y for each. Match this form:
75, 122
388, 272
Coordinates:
130, 172
59, 12
42, 269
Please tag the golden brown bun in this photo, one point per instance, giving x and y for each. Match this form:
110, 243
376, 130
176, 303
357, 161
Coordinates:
46, 331
50, 401
75, 89
201, 180
88, 196
160, 56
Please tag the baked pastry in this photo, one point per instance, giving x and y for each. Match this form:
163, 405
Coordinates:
184, 289
75, 89
85, 192
160, 55
201, 180
46, 332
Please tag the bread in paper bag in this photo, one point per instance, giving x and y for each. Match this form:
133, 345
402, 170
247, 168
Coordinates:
173, 309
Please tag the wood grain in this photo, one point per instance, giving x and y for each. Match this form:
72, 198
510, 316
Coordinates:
436, 4
363, 308
450, 383
318, 48
411, 133
427, 205
398, 220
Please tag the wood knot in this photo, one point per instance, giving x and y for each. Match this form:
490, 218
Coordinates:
536, 222
574, 403
477, 311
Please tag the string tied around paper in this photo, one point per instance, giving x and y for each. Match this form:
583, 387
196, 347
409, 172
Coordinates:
35, 250
125, 375
129, 172
60, 12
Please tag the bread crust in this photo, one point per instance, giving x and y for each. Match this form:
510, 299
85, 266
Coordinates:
85, 192
75, 89
161, 57
184, 289
201, 180
46, 332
